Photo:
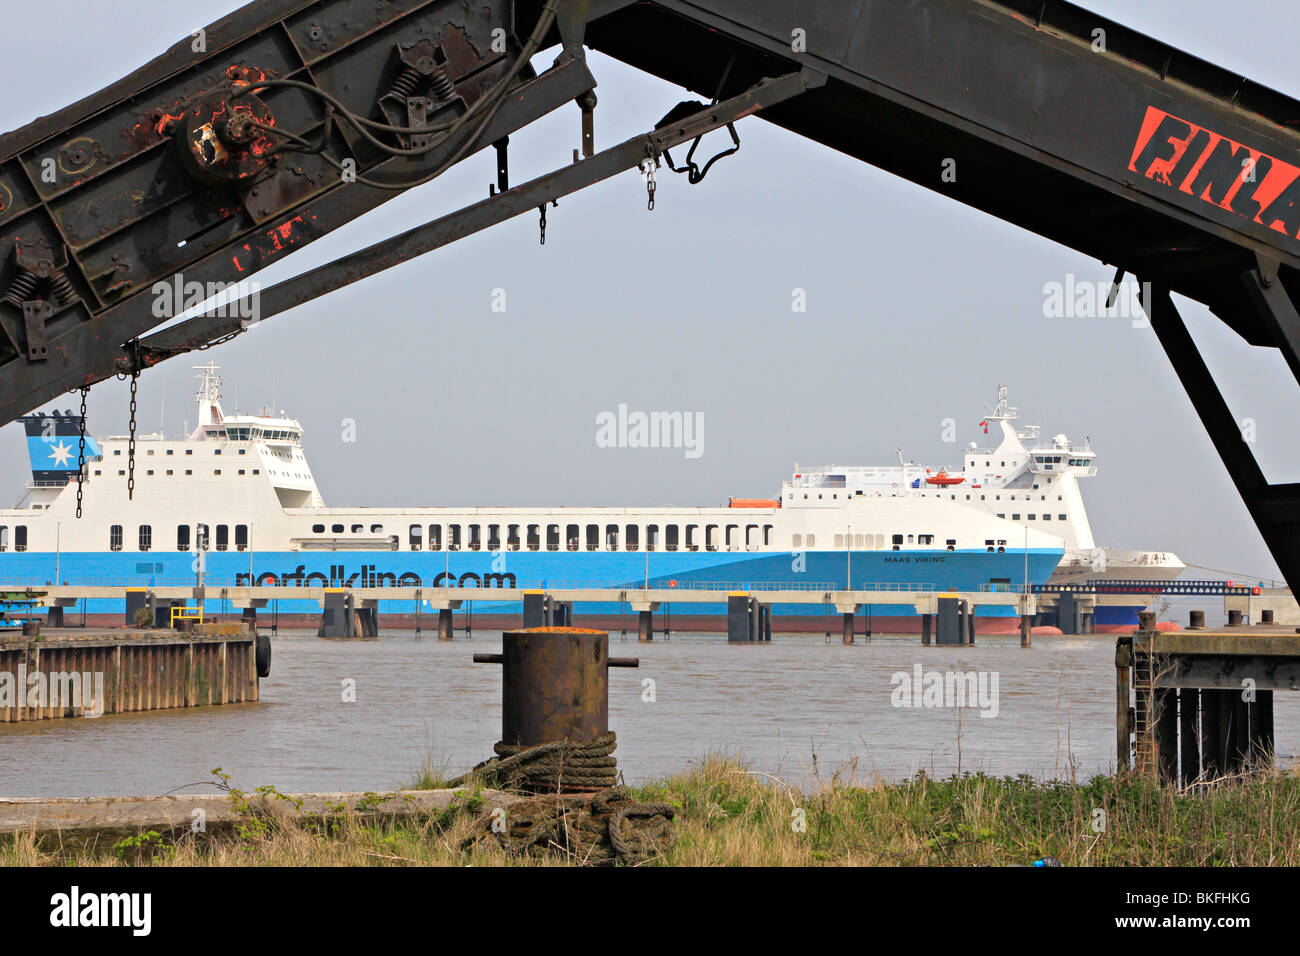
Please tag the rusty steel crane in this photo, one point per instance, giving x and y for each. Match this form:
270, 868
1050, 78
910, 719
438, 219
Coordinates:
289, 118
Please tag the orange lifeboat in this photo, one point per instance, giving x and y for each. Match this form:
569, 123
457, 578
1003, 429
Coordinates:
943, 479
753, 503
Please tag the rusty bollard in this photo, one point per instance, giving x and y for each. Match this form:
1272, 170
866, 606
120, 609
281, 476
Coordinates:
554, 684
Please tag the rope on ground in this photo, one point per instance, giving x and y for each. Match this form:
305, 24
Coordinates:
602, 828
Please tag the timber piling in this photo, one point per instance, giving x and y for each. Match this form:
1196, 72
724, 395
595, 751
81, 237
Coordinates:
91, 673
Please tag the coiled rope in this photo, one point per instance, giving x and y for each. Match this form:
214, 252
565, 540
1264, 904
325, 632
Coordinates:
548, 768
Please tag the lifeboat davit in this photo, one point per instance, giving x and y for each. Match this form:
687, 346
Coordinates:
943, 479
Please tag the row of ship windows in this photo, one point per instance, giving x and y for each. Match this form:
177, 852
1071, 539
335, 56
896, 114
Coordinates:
188, 451
835, 496
188, 471
576, 537
1015, 516
202, 541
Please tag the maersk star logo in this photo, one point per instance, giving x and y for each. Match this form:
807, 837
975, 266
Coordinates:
61, 453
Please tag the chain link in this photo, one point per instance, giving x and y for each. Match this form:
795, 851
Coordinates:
130, 448
81, 448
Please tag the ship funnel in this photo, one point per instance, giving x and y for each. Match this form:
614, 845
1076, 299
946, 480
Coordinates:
52, 443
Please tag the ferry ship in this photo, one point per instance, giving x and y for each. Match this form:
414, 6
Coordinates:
235, 501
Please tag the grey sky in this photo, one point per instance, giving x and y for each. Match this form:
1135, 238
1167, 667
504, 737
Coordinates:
917, 307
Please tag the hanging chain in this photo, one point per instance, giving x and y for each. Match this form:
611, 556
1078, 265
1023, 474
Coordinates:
130, 447
648, 166
542, 222
81, 448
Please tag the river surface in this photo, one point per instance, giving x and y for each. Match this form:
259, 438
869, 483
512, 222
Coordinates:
796, 708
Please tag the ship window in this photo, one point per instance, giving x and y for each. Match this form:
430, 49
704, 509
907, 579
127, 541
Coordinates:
1060, 517
512, 537
241, 471
711, 537
117, 451
571, 536
242, 451
1015, 516
453, 537
216, 471
216, 451
4, 538
839, 541
182, 537
925, 539
552, 537
1046, 516
120, 472
241, 537
752, 539
336, 529
1002, 516
897, 539
534, 537
115, 538
189, 451
475, 537
200, 537
188, 471
651, 537
796, 541
692, 537
415, 537
811, 540
733, 535
170, 451
593, 537
257, 471
631, 538
952, 544
376, 529
20, 537
671, 537
98, 472
494, 537
223, 537
318, 529
435, 537
767, 534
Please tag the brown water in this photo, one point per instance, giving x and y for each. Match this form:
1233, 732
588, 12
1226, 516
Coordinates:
792, 708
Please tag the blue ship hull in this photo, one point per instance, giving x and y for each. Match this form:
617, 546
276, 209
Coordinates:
479, 572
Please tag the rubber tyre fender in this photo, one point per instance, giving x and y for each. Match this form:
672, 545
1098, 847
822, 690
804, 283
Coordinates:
263, 655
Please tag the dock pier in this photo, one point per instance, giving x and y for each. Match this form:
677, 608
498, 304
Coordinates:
1198, 706
91, 673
